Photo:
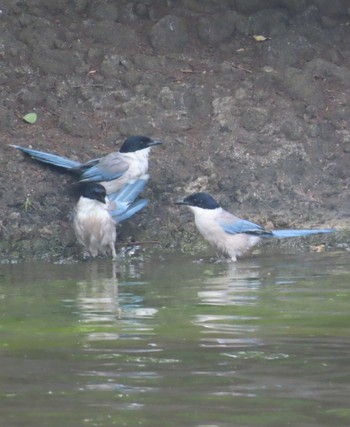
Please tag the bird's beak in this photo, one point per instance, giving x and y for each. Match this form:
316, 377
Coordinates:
101, 199
181, 202
154, 142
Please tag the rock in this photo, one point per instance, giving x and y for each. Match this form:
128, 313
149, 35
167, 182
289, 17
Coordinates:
37, 33
333, 8
293, 129
310, 15
52, 61
225, 112
103, 11
7, 119
322, 69
169, 34
295, 6
263, 83
150, 62
31, 97
254, 119
207, 6
76, 123
80, 5
268, 22
286, 50
122, 38
199, 100
174, 122
56, 7
141, 10
252, 6
170, 99
137, 124
303, 86
193, 101
242, 24
113, 65
328, 22
214, 29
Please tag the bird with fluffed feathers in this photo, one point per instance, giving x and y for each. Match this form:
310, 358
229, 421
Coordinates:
96, 215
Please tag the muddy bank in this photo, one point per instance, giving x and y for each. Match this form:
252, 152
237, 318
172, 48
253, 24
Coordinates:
261, 125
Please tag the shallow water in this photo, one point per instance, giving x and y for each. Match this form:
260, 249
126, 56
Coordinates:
174, 342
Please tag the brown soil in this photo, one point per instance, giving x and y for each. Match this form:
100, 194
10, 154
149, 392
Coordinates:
261, 125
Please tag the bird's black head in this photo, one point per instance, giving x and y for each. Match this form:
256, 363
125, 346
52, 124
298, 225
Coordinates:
94, 191
199, 200
138, 142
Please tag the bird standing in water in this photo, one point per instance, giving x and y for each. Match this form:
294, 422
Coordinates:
96, 215
229, 234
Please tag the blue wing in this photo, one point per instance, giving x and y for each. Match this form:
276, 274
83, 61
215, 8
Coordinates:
124, 199
107, 168
242, 226
125, 211
96, 173
130, 191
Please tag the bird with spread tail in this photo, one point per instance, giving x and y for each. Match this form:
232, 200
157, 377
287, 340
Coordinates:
112, 171
230, 235
96, 215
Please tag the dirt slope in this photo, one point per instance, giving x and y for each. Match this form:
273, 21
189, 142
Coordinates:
261, 125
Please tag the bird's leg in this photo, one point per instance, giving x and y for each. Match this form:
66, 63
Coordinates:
220, 258
86, 255
114, 254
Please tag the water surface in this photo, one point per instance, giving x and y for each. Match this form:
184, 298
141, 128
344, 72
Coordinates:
175, 342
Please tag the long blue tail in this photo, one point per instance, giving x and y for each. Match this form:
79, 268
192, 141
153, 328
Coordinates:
51, 159
281, 234
124, 199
